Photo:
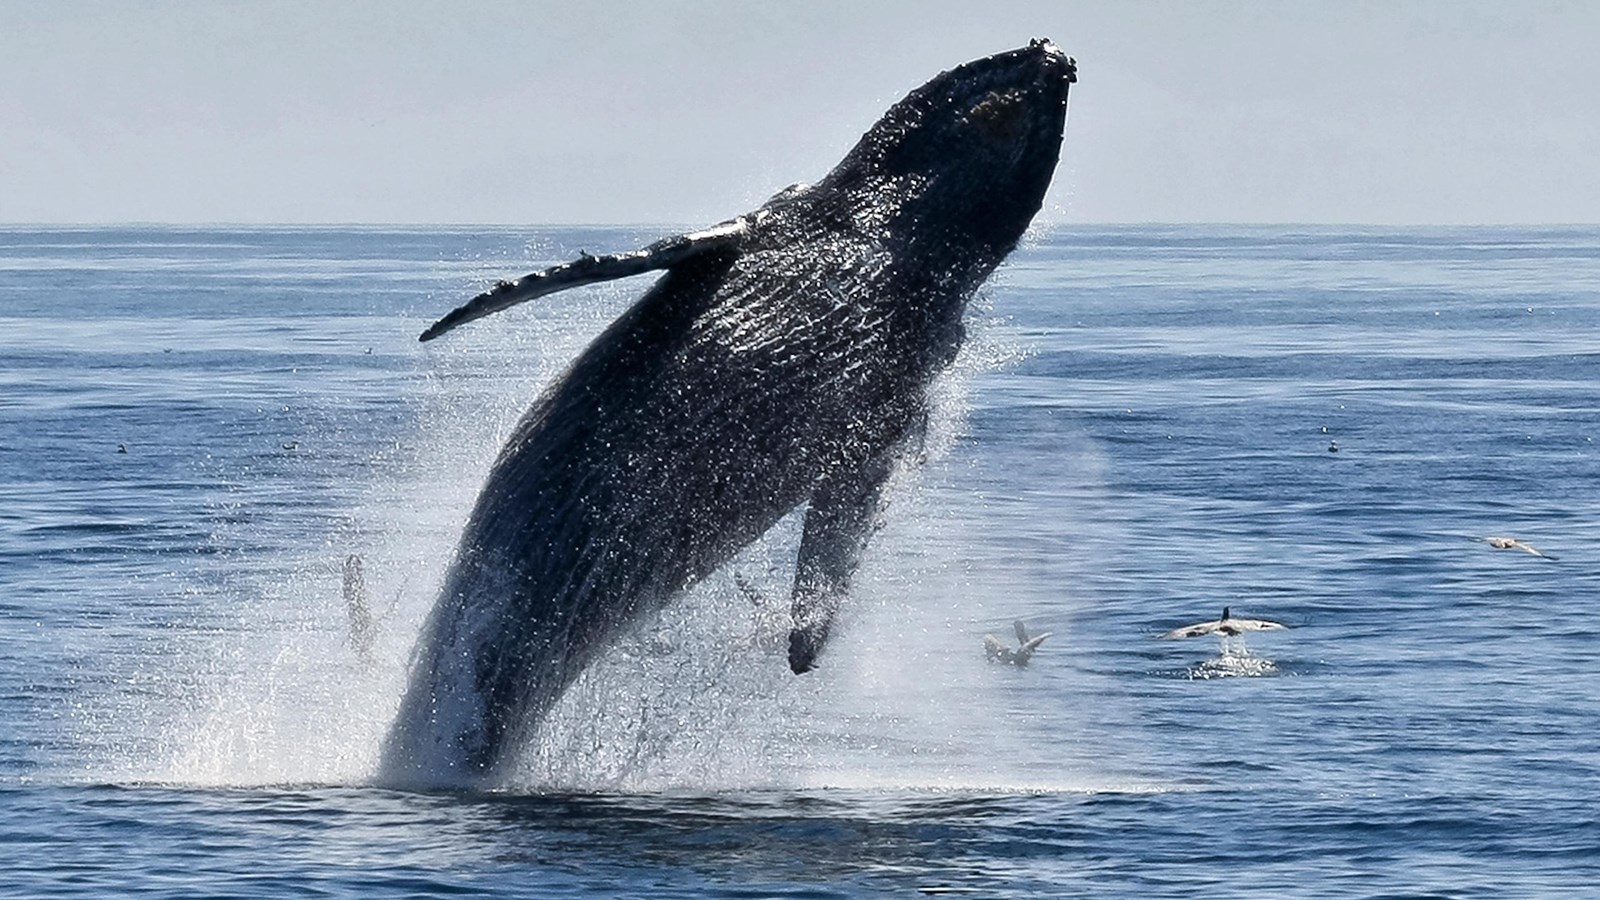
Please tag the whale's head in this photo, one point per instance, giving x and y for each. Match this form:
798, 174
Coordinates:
960, 166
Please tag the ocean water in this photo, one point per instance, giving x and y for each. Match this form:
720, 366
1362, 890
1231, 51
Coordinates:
199, 426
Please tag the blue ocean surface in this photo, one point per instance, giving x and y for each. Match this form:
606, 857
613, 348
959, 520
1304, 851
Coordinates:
199, 427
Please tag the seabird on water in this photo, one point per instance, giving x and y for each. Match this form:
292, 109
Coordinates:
1227, 626
996, 651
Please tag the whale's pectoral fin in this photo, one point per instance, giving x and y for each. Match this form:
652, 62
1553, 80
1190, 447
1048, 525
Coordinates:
586, 269
838, 522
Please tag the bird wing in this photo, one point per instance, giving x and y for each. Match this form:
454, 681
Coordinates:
1189, 631
1026, 651
1257, 625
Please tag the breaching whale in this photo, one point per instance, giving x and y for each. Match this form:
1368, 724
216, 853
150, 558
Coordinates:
782, 359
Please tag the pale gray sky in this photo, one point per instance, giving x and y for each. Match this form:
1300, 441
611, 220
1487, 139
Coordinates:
690, 112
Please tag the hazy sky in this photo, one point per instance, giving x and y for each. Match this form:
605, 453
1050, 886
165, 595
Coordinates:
568, 112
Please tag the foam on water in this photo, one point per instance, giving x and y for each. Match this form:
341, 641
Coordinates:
1233, 660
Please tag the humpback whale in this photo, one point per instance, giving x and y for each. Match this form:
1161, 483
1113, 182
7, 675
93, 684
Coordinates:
781, 360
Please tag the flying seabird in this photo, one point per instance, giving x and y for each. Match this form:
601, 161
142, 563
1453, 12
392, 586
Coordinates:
1511, 543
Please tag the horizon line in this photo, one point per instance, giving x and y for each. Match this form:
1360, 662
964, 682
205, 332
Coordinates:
1107, 223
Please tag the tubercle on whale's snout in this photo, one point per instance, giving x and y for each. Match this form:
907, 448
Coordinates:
1054, 52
